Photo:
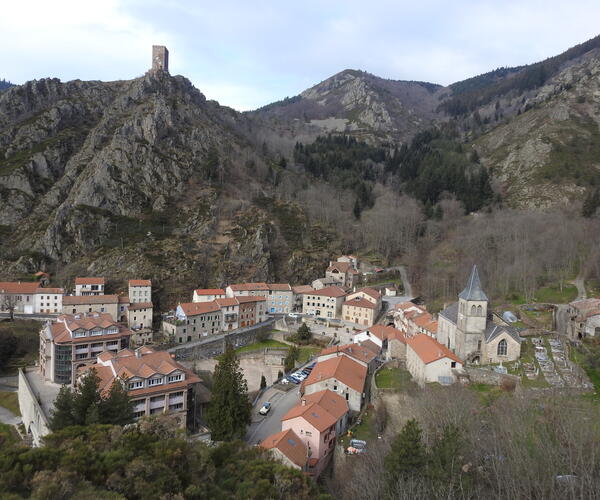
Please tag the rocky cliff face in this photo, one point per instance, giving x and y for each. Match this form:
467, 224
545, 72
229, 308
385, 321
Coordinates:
129, 177
360, 104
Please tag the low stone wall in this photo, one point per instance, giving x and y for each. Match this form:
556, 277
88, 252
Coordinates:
213, 346
35, 421
485, 376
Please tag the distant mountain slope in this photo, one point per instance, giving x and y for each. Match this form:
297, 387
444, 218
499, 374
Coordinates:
360, 104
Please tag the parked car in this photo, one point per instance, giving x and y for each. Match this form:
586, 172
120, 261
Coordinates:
357, 447
293, 315
265, 408
300, 375
292, 379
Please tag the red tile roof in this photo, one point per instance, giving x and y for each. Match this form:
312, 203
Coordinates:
280, 287
243, 287
382, 332
74, 300
370, 291
124, 299
251, 298
209, 291
330, 291
48, 290
342, 368
24, 287
331, 402
360, 302
429, 349
361, 353
66, 323
89, 281
313, 413
288, 443
372, 346
195, 308
140, 283
300, 289
226, 302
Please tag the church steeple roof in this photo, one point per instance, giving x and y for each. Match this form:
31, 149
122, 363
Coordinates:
473, 291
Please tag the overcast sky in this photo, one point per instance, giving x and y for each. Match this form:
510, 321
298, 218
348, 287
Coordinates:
247, 53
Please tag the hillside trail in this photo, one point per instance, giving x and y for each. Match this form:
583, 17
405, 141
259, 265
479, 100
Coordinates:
580, 284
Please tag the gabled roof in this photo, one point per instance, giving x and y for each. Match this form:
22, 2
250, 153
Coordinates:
41, 291
288, 443
209, 291
300, 289
451, 312
251, 298
140, 283
227, 301
242, 287
429, 349
360, 302
492, 331
332, 403
280, 287
381, 332
356, 351
196, 308
75, 300
89, 281
370, 291
313, 413
342, 368
61, 329
473, 290
24, 287
330, 291
341, 267
372, 346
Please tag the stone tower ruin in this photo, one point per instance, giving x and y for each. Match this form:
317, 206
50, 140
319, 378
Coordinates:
160, 58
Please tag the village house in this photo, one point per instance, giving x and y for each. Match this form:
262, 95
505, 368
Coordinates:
299, 292
350, 259
140, 291
155, 382
343, 273
321, 283
287, 448
73, 341
247, 289
29, 298
230, 308
362, 307
318, 419
280, 298
396, 345
208, 294
412, 319
139, 319
429, 361
466, 328
81, 304
89, 286
378, 334
584, 319
342, 375
361, 353
325, 303
194, 320
252, 309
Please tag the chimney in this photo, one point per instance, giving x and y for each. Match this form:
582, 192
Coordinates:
303, 402
138, 353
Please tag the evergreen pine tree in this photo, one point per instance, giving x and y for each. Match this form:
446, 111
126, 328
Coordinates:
444, 463
87, 399
229, 412
290, 359
116, 408
62, 415
408, 453
304, 334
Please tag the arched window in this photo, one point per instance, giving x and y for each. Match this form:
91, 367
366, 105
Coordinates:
479, 311
502, 347
473, 310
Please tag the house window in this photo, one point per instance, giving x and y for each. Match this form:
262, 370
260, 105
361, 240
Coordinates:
308, 433
479, 311
453, 364
502, 347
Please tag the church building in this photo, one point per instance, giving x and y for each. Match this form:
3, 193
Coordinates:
474, 334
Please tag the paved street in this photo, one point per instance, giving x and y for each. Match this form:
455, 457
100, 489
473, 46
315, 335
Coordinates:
262, 427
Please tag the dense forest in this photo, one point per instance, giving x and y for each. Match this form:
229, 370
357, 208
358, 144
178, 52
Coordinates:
149, 460
469, 94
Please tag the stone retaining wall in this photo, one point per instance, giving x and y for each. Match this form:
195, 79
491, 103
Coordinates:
484, 376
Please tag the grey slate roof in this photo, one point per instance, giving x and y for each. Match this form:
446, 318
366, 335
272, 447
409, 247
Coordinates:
492, 331
451, 312
473, 291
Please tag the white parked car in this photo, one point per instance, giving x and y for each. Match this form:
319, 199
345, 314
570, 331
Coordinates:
265, 408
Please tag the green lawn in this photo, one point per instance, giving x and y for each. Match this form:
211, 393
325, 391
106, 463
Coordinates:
588, 361
393, 378
307, 351
553, 295
262, 345
10, 401
365, 430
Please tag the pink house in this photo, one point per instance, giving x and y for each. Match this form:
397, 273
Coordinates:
317, 420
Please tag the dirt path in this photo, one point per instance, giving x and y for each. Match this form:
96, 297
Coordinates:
580, 284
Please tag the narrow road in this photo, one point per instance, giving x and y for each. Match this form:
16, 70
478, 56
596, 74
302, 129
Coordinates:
262, 427
404, 276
